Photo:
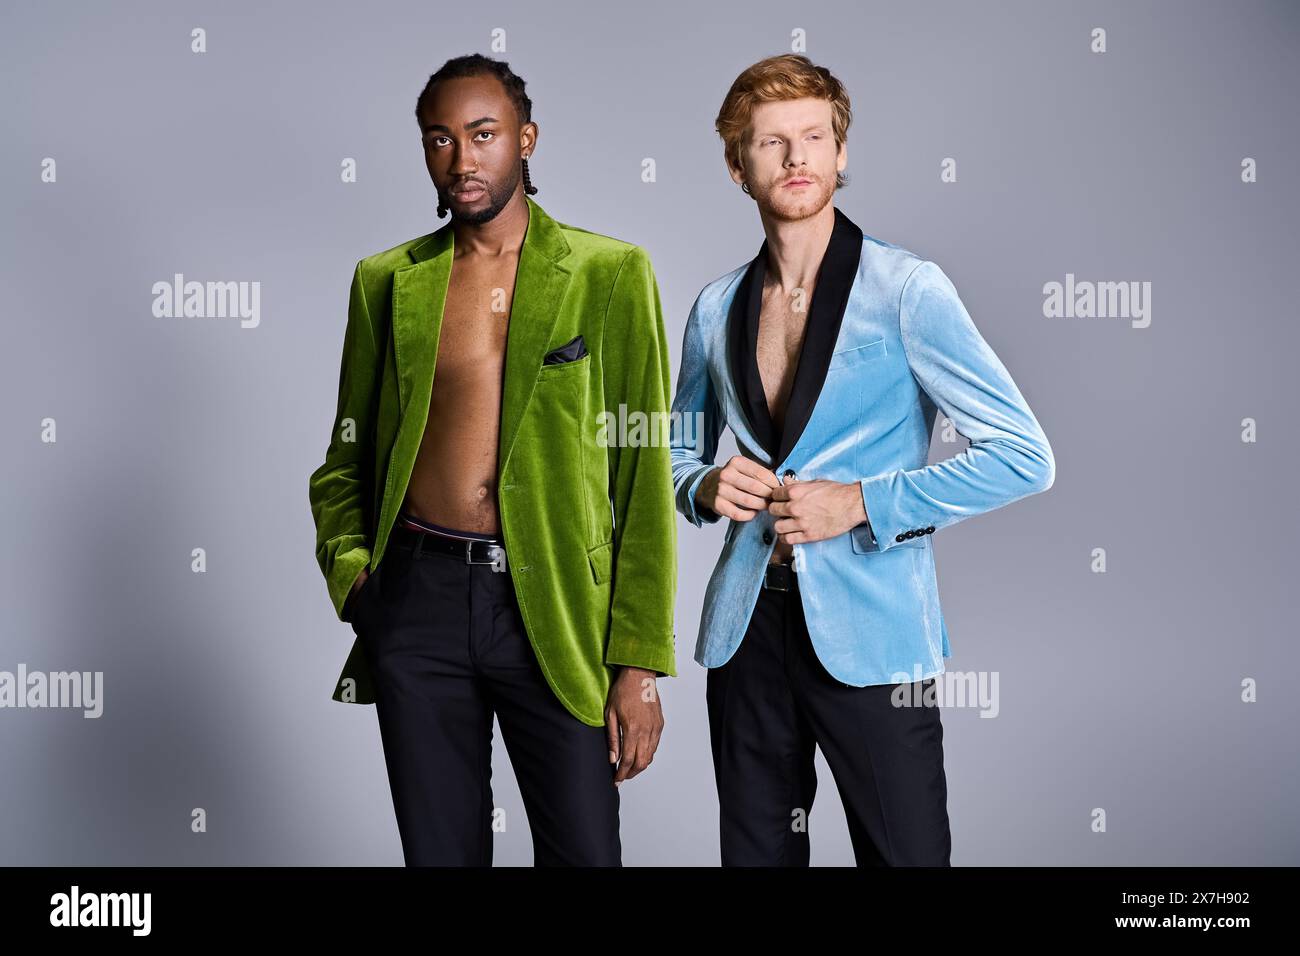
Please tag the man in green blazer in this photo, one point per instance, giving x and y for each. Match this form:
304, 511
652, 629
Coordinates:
495, 546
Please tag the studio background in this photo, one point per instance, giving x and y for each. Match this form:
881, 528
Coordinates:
1118, 690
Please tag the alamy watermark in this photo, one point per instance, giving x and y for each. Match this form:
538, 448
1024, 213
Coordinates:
72, 689
977, 689
639, 429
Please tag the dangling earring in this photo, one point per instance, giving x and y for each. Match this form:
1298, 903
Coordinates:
529, 188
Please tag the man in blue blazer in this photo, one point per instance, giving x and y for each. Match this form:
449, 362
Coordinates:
829, 356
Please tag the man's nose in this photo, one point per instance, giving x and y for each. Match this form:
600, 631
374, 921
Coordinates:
463, 162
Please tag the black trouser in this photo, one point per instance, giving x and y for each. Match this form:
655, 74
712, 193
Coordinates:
771, 704
447, 648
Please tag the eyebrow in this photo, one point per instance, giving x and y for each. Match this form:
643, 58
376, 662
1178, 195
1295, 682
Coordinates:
478, 122
807, 129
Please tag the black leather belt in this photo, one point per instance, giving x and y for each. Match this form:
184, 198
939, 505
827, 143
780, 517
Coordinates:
780, 577
469, 550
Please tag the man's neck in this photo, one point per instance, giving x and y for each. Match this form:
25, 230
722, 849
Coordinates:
500, 236
795, 249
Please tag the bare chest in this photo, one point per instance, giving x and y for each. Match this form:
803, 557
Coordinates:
781, 327
475, 317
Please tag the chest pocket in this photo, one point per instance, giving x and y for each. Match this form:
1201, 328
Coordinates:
547, 373
846, 358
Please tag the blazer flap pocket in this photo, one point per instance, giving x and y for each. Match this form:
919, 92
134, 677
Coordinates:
858, 354
601, 558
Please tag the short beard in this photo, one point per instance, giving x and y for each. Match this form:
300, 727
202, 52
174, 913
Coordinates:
798, 210
498, 197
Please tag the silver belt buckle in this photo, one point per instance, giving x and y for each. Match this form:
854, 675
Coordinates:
497, 552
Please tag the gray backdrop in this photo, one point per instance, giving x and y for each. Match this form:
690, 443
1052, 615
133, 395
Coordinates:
1123, 689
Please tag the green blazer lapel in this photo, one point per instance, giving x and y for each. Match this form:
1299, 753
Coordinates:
419, 294
540, 286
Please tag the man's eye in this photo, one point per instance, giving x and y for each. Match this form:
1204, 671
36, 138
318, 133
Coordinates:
486, 132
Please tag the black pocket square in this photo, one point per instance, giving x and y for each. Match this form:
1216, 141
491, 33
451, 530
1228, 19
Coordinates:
570, 351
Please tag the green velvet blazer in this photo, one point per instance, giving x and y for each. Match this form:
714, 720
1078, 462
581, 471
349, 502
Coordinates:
588, 518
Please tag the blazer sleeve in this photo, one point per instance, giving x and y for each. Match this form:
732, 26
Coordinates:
636, 374
340, 488
1009, 456
698, 421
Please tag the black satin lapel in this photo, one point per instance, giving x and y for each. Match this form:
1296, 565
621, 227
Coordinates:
825, 315
742, 342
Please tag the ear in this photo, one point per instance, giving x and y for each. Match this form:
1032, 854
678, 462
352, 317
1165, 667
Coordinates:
528, 134
737, 173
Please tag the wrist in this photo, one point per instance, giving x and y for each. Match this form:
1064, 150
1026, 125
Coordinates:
857, 507
706, 492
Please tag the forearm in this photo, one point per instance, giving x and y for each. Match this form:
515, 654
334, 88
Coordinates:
635, 357
645, 581
342, 536
1009, 456
340, 490
703, 494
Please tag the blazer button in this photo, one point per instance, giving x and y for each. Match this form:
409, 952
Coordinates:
767, 537
910, 534
930, 530
898, 537
788, 473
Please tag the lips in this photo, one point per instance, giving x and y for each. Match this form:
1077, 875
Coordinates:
797, 181
468, 189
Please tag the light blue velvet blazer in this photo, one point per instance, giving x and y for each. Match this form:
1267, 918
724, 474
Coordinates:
904, 348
